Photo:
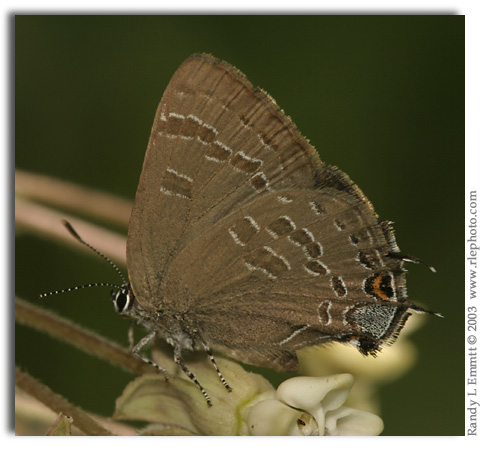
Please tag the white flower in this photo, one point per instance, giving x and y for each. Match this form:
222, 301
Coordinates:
300, 405
178, 407
369, 372
312, 406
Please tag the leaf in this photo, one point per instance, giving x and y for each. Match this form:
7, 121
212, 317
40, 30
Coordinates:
61, 426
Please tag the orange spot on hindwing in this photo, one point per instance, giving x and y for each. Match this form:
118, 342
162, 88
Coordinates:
380, 286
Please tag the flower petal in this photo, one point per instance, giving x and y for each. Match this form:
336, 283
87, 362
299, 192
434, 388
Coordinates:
149, 398
307, 393
352, 422
272, 417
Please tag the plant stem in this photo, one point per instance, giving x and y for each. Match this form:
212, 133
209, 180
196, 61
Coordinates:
63, 329
58, 404
72, 197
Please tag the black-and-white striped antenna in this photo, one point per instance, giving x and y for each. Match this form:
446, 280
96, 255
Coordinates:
74, 233
88, 285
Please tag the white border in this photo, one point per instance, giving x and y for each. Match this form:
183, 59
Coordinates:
468, 8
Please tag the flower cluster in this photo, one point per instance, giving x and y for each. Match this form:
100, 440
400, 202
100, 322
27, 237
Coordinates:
300, 405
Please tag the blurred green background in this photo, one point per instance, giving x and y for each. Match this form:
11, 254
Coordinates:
381, 97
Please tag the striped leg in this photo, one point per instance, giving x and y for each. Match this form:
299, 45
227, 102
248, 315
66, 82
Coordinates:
210, 355
179, 361
140, 345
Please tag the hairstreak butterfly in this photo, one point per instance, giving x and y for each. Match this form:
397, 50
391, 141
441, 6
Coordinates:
243, 241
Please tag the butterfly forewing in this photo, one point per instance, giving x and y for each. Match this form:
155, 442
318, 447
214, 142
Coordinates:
216, 143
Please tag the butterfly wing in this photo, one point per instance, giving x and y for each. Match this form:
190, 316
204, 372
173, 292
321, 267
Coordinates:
293, 268
241, 231
216, 144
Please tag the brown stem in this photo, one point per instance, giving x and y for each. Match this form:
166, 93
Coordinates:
63, 329
58, 404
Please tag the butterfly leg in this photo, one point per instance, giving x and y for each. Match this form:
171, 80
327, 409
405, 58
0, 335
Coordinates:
210, 355
140, 345
179, 361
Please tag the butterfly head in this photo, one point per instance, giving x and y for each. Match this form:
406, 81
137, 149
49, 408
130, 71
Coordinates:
123, 300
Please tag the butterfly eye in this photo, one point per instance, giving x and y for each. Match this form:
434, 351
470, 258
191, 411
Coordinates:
121, 300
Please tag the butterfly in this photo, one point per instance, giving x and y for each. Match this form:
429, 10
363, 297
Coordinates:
242, 241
